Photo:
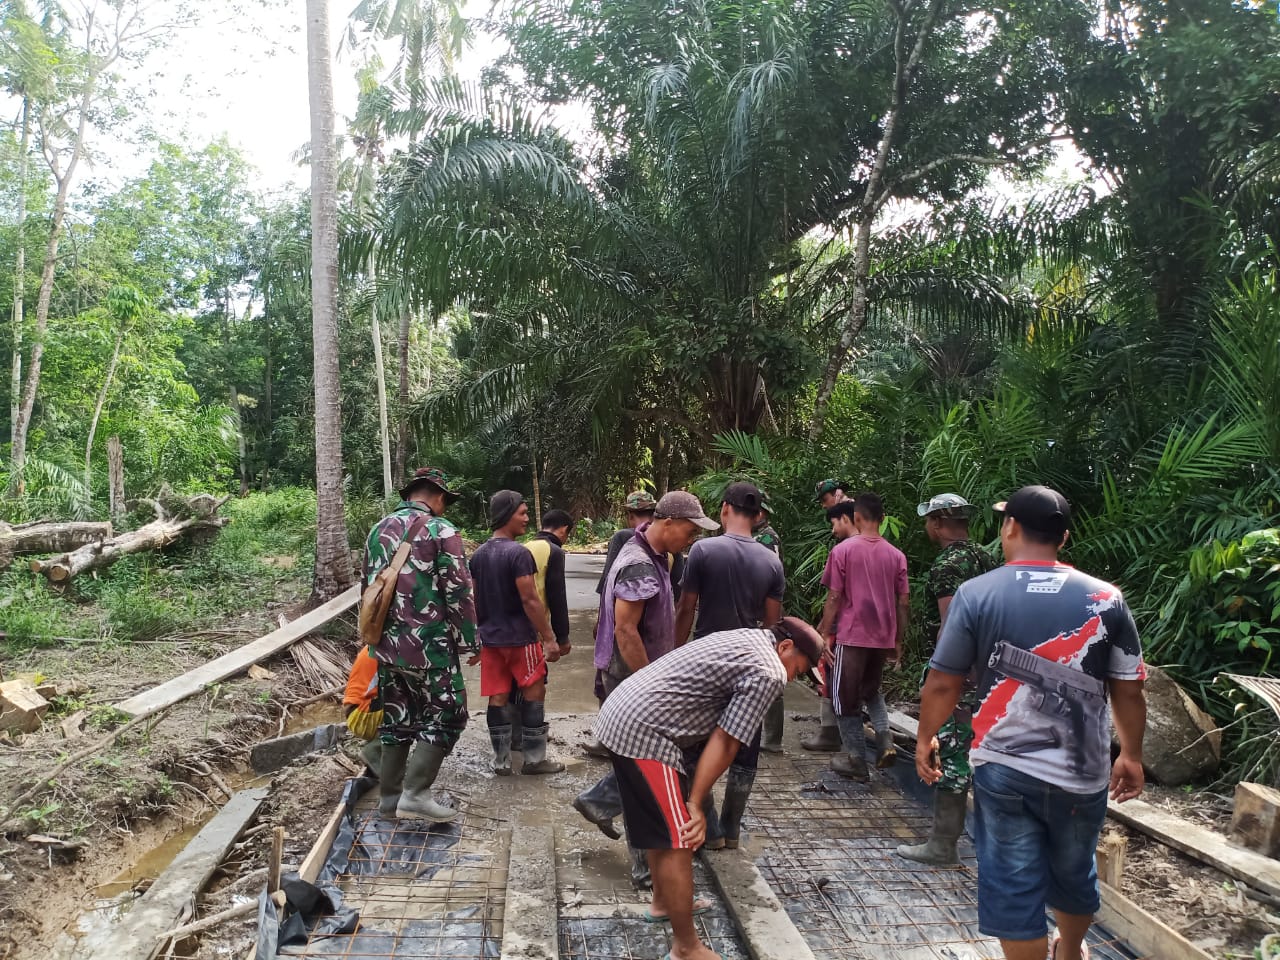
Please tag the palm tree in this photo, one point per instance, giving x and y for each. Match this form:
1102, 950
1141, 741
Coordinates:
333, 571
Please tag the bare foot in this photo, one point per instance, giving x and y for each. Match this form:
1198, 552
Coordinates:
702, 952
658, 914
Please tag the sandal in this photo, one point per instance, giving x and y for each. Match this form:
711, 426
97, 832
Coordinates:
700, 906
1057, 938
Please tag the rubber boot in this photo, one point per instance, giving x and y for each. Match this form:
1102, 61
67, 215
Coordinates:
878, 713
595, 748
371, 753
852, 763
737, 788
771, 741
517, 728
601, 803
500, 737
535, 740
391, 777
948, 823
641, 879
827, 739
416, 801
886, 752
715, 832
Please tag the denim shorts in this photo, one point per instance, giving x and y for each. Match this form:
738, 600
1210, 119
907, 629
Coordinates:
1036, 845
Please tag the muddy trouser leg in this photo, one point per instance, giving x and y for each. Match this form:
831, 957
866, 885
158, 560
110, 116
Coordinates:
715, 833
878, 711
773, 720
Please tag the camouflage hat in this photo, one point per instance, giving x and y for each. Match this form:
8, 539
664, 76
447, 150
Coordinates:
949, 505
640, 500
830, 485
764, 501
434, 476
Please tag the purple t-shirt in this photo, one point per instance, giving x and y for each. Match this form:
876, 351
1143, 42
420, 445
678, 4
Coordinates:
870, 574
495, 567
637, 574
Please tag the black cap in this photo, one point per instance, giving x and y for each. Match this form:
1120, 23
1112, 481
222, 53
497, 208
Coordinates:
1038, 508
807, 640
745, 496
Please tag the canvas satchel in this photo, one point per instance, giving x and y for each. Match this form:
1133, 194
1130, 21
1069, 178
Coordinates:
377, 597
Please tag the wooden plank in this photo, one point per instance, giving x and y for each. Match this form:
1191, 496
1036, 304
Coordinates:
1143, 932
137, 936
274, 859
238, 660
310, 868
1201, 843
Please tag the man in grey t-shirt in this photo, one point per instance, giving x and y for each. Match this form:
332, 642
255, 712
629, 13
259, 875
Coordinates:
733, 583
1057, 656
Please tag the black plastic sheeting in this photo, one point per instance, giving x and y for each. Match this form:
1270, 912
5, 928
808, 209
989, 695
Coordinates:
317, 909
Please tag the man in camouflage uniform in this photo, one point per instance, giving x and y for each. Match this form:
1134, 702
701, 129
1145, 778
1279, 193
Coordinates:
947, 525
771, 739
432, 617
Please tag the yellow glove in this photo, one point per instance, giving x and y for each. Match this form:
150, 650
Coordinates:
364, 723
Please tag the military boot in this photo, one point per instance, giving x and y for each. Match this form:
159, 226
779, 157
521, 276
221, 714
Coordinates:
737, 789
827, 739
948, 823
852, 763
391, 777
416, 801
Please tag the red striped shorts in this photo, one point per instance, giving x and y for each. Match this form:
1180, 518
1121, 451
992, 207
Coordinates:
653, 804
499, 666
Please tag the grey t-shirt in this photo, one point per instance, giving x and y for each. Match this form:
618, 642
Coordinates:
732, 575
1044, 638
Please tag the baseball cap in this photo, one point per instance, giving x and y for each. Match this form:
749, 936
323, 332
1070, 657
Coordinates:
830, 485
682, 505
807, 640
1038, 508
434, 476
640, 500
947, 505
743, 495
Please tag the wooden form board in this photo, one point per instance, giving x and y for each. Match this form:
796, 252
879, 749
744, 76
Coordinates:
138, 935
238, 660
1149, 936
1200, 843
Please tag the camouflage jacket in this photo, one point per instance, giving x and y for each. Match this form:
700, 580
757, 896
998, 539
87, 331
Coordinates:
768, 536
433, 615
959, 561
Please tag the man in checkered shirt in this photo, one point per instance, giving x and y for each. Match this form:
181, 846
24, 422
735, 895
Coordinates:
714, 690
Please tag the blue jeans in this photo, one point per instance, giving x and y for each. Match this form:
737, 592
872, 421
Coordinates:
1036, 845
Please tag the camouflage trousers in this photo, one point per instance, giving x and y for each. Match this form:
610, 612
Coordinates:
428, 705
954, 740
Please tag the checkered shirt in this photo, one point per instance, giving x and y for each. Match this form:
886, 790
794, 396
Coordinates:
726, 679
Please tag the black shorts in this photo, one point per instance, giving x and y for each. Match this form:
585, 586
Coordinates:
653, 806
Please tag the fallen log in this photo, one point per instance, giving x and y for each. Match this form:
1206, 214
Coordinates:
47, 536
155, 535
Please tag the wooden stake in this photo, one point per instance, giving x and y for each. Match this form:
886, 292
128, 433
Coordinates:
273, 862
1111, 854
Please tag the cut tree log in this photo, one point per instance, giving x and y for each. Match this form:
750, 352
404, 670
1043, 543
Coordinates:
46, 536
153, 536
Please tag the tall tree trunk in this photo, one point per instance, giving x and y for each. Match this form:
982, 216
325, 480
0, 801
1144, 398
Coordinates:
333, 572
907, 51
379, 370
20, 272
97, 414
537, 487
115, 478
237, 410
22, 426
402, 392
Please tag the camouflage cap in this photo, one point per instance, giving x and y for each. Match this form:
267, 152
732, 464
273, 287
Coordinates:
764, 501
830, 485
433, 476
640, 500
949, 505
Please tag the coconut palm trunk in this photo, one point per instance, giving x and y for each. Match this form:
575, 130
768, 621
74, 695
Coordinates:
333, 572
